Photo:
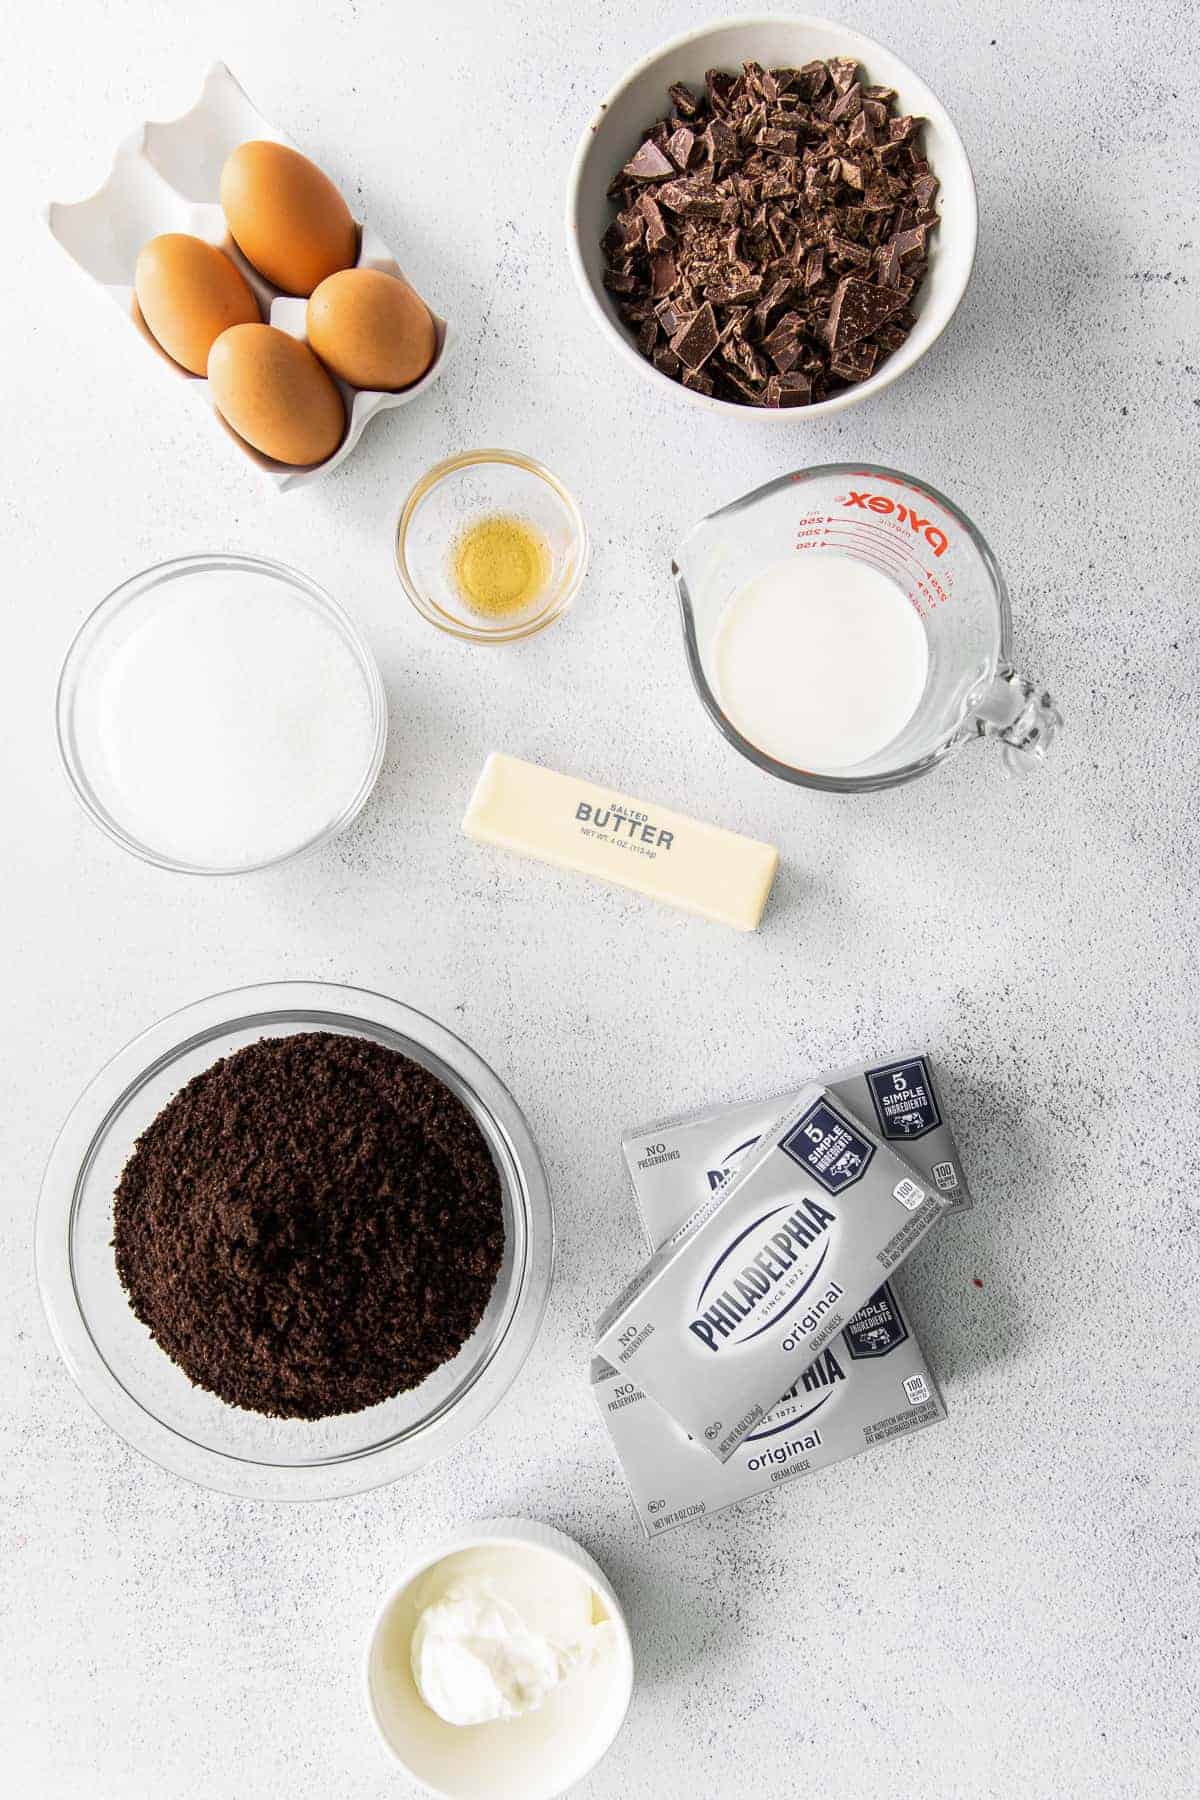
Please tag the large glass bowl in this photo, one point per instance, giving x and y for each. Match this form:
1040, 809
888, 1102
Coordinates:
135, 1387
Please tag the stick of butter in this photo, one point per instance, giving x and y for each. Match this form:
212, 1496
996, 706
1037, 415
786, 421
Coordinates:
576, 825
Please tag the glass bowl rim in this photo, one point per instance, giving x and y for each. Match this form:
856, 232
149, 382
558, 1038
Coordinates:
446, 622
124, 1075
82, 643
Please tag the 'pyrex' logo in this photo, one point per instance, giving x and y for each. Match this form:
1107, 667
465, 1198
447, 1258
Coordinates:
781, 1254
908, 515
829, 1147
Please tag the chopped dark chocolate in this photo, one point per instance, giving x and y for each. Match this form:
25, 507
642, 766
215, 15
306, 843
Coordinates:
649, 164
696, 340
680, 147
771, 233
789, 390
859, 308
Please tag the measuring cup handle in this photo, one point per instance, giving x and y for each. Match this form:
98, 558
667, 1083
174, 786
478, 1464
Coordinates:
1022, 716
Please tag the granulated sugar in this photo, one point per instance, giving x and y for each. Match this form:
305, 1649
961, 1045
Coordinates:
229, 723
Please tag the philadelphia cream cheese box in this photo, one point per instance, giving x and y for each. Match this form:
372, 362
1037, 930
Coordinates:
736, 1304
675, 1164
870, 1386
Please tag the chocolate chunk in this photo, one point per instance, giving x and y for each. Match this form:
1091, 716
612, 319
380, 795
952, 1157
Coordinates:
719, 86
721, 140
690, 198
889, 337
695, 341
734, 283
857, 309
785, 344
656, 229
649, 164
699, 383
814, 267
843, 72
910, 243
848, 106
613, 242
789, 390
858, 254
662, 273
781, 143
683, 100
680, 146
854, 363
633, 227
740, 355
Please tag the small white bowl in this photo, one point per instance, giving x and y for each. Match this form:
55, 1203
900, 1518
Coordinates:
460, 1762
777, 42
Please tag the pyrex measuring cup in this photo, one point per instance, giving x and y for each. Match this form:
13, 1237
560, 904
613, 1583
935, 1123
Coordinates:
915, 535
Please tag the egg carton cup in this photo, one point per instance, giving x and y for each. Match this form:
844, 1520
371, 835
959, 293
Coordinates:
166, 177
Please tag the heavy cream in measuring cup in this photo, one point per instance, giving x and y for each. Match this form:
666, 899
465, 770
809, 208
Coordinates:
820, 660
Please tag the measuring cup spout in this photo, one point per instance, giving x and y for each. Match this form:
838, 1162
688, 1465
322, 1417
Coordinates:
1022, 716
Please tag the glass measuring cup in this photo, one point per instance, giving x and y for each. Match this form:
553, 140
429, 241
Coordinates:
913, 534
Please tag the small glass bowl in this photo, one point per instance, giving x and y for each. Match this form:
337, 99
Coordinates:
137, 1390
155, 588
452, 496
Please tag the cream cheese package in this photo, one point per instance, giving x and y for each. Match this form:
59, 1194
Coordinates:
868, 1387
872, 1386
676, 1164
727, 1314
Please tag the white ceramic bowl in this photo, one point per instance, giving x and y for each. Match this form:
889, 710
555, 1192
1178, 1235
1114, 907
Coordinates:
456, 1762
641, 97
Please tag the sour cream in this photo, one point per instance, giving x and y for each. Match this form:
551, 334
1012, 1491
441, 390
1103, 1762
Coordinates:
501, 1630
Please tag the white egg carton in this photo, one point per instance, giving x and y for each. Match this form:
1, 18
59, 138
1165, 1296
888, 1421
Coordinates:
166, 177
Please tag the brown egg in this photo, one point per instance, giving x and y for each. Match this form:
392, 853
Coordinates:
371, 329
189, 293
287, 218
275, 394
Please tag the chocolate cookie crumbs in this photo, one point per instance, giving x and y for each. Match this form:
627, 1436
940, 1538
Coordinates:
771, 233
310, 1226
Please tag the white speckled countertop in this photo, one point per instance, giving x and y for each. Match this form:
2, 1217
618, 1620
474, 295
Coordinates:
997, 1607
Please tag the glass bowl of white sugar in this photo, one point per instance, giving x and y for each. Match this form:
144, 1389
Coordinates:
220, 714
